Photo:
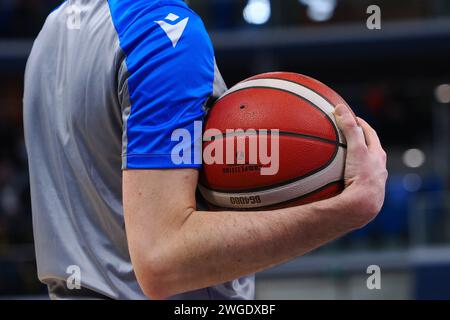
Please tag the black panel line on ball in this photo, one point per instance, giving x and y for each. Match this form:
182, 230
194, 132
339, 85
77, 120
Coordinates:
298, 96
297, 198
280, 133
318, 93
337, 142
275, 185
283, 202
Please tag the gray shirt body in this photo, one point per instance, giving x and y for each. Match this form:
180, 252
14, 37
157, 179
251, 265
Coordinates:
84, 111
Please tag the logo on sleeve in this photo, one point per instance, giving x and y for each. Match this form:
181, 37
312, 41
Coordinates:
174, 30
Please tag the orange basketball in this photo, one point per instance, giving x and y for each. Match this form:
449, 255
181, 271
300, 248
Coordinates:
287, 118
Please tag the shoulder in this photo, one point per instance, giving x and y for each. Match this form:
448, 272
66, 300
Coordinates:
162, 35
137, 17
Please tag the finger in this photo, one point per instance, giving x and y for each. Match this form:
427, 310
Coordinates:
348, 124
372, 139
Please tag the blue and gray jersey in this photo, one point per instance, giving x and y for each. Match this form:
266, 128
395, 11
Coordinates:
106, 85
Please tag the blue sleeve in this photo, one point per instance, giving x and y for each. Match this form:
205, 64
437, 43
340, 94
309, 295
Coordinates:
169, 74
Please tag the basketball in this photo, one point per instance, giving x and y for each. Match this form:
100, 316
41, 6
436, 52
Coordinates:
307, 158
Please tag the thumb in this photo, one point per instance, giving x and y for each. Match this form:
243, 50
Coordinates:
349, 126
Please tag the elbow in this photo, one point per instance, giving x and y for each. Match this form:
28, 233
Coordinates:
156, 278
154, 290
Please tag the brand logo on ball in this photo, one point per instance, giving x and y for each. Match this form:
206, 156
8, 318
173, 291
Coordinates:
241, 169
245, 200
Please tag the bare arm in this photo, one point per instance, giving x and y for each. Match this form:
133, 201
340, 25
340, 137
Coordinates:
175, 248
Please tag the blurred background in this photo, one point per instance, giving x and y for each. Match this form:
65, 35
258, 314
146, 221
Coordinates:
396, 77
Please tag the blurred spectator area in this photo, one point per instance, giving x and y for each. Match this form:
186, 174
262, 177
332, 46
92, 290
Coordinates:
227, 14
17, 268
23, 18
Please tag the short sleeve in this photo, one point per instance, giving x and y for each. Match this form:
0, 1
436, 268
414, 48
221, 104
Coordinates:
165, 81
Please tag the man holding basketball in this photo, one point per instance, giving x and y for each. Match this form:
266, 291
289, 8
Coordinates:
106, 91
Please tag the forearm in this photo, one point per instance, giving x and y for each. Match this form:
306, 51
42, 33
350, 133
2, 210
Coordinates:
175, 248
210, 248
